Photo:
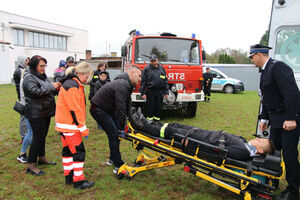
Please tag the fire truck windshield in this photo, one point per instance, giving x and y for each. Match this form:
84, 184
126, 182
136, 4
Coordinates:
168, 50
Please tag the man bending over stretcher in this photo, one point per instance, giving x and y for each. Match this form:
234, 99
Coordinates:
237, 146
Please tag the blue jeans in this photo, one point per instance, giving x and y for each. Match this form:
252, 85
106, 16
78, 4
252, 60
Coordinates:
28, 137
111, 126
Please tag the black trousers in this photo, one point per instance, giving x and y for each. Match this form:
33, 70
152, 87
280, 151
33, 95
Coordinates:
207, 90
111, 126
154, 102
40, 130
287, 141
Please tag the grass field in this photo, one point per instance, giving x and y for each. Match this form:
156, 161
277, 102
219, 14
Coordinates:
234, 113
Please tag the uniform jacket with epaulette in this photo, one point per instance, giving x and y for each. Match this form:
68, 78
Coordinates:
280, 93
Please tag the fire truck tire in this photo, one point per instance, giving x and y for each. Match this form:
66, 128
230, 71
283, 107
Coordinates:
191, 109
229, 89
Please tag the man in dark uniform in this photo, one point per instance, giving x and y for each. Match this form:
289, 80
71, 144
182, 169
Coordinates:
154, 87
281, 108
237, 146
207, 80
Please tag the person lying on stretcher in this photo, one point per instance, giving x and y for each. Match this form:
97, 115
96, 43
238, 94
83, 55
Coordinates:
238, 148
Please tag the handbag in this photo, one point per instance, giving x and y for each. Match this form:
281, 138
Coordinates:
20, 108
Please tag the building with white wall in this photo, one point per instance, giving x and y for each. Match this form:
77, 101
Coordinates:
25, 36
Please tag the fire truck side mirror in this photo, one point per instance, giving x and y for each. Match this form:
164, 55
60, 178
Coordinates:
203, 55
123, 51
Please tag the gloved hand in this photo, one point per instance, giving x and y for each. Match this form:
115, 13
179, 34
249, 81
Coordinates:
86, 137
122, 134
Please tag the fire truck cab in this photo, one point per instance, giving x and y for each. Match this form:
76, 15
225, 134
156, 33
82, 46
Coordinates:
181, 59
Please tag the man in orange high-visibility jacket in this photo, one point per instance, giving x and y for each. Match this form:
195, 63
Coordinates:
70, 122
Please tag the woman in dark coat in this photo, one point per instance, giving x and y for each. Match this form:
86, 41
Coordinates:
39, 108
102, 66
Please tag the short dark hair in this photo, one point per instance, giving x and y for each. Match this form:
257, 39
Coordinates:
34, 61
270, 149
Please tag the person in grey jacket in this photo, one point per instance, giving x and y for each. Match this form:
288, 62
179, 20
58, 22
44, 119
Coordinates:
22, 63
39, 108
59, 73
27, 138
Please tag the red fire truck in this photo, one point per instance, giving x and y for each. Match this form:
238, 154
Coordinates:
180, 57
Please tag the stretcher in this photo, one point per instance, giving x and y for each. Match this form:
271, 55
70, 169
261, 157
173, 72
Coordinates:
253, 180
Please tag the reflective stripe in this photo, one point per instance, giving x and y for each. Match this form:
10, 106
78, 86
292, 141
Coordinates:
71, 127
66, 126
162, 76
68, 167
68, 134
78, 165
78, 173
67, 160
156, 118
83, 128
162, 130
95, 76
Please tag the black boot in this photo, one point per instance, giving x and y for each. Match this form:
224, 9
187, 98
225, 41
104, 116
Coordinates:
142, 118
69, 178
136, 122
208, 99
83, 185
204, 98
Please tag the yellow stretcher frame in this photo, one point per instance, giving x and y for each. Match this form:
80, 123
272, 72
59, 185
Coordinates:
193, 165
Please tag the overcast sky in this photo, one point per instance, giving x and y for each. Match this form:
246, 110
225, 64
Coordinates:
234, 24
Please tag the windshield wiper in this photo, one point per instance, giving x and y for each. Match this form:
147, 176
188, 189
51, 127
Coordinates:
167, 59
178, 61
145, 55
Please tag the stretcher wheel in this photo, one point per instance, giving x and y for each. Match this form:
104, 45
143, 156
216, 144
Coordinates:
120, 176
138, 163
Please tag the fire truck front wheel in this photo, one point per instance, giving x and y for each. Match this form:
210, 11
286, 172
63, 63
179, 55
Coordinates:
191, 109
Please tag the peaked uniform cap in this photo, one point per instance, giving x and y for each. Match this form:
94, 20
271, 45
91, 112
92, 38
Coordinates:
258, 48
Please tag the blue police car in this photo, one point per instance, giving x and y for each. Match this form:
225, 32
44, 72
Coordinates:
223, 83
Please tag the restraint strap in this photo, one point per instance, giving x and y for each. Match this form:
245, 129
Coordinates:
162, 130
222, 140
185, 141
222, 143
249, 168
74, 118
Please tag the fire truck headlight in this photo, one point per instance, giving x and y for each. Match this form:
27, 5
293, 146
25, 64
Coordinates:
173, 88
179, 86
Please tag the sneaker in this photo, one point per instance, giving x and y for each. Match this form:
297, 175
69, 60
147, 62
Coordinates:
22, 158
115, 170
83, 185
110, 162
